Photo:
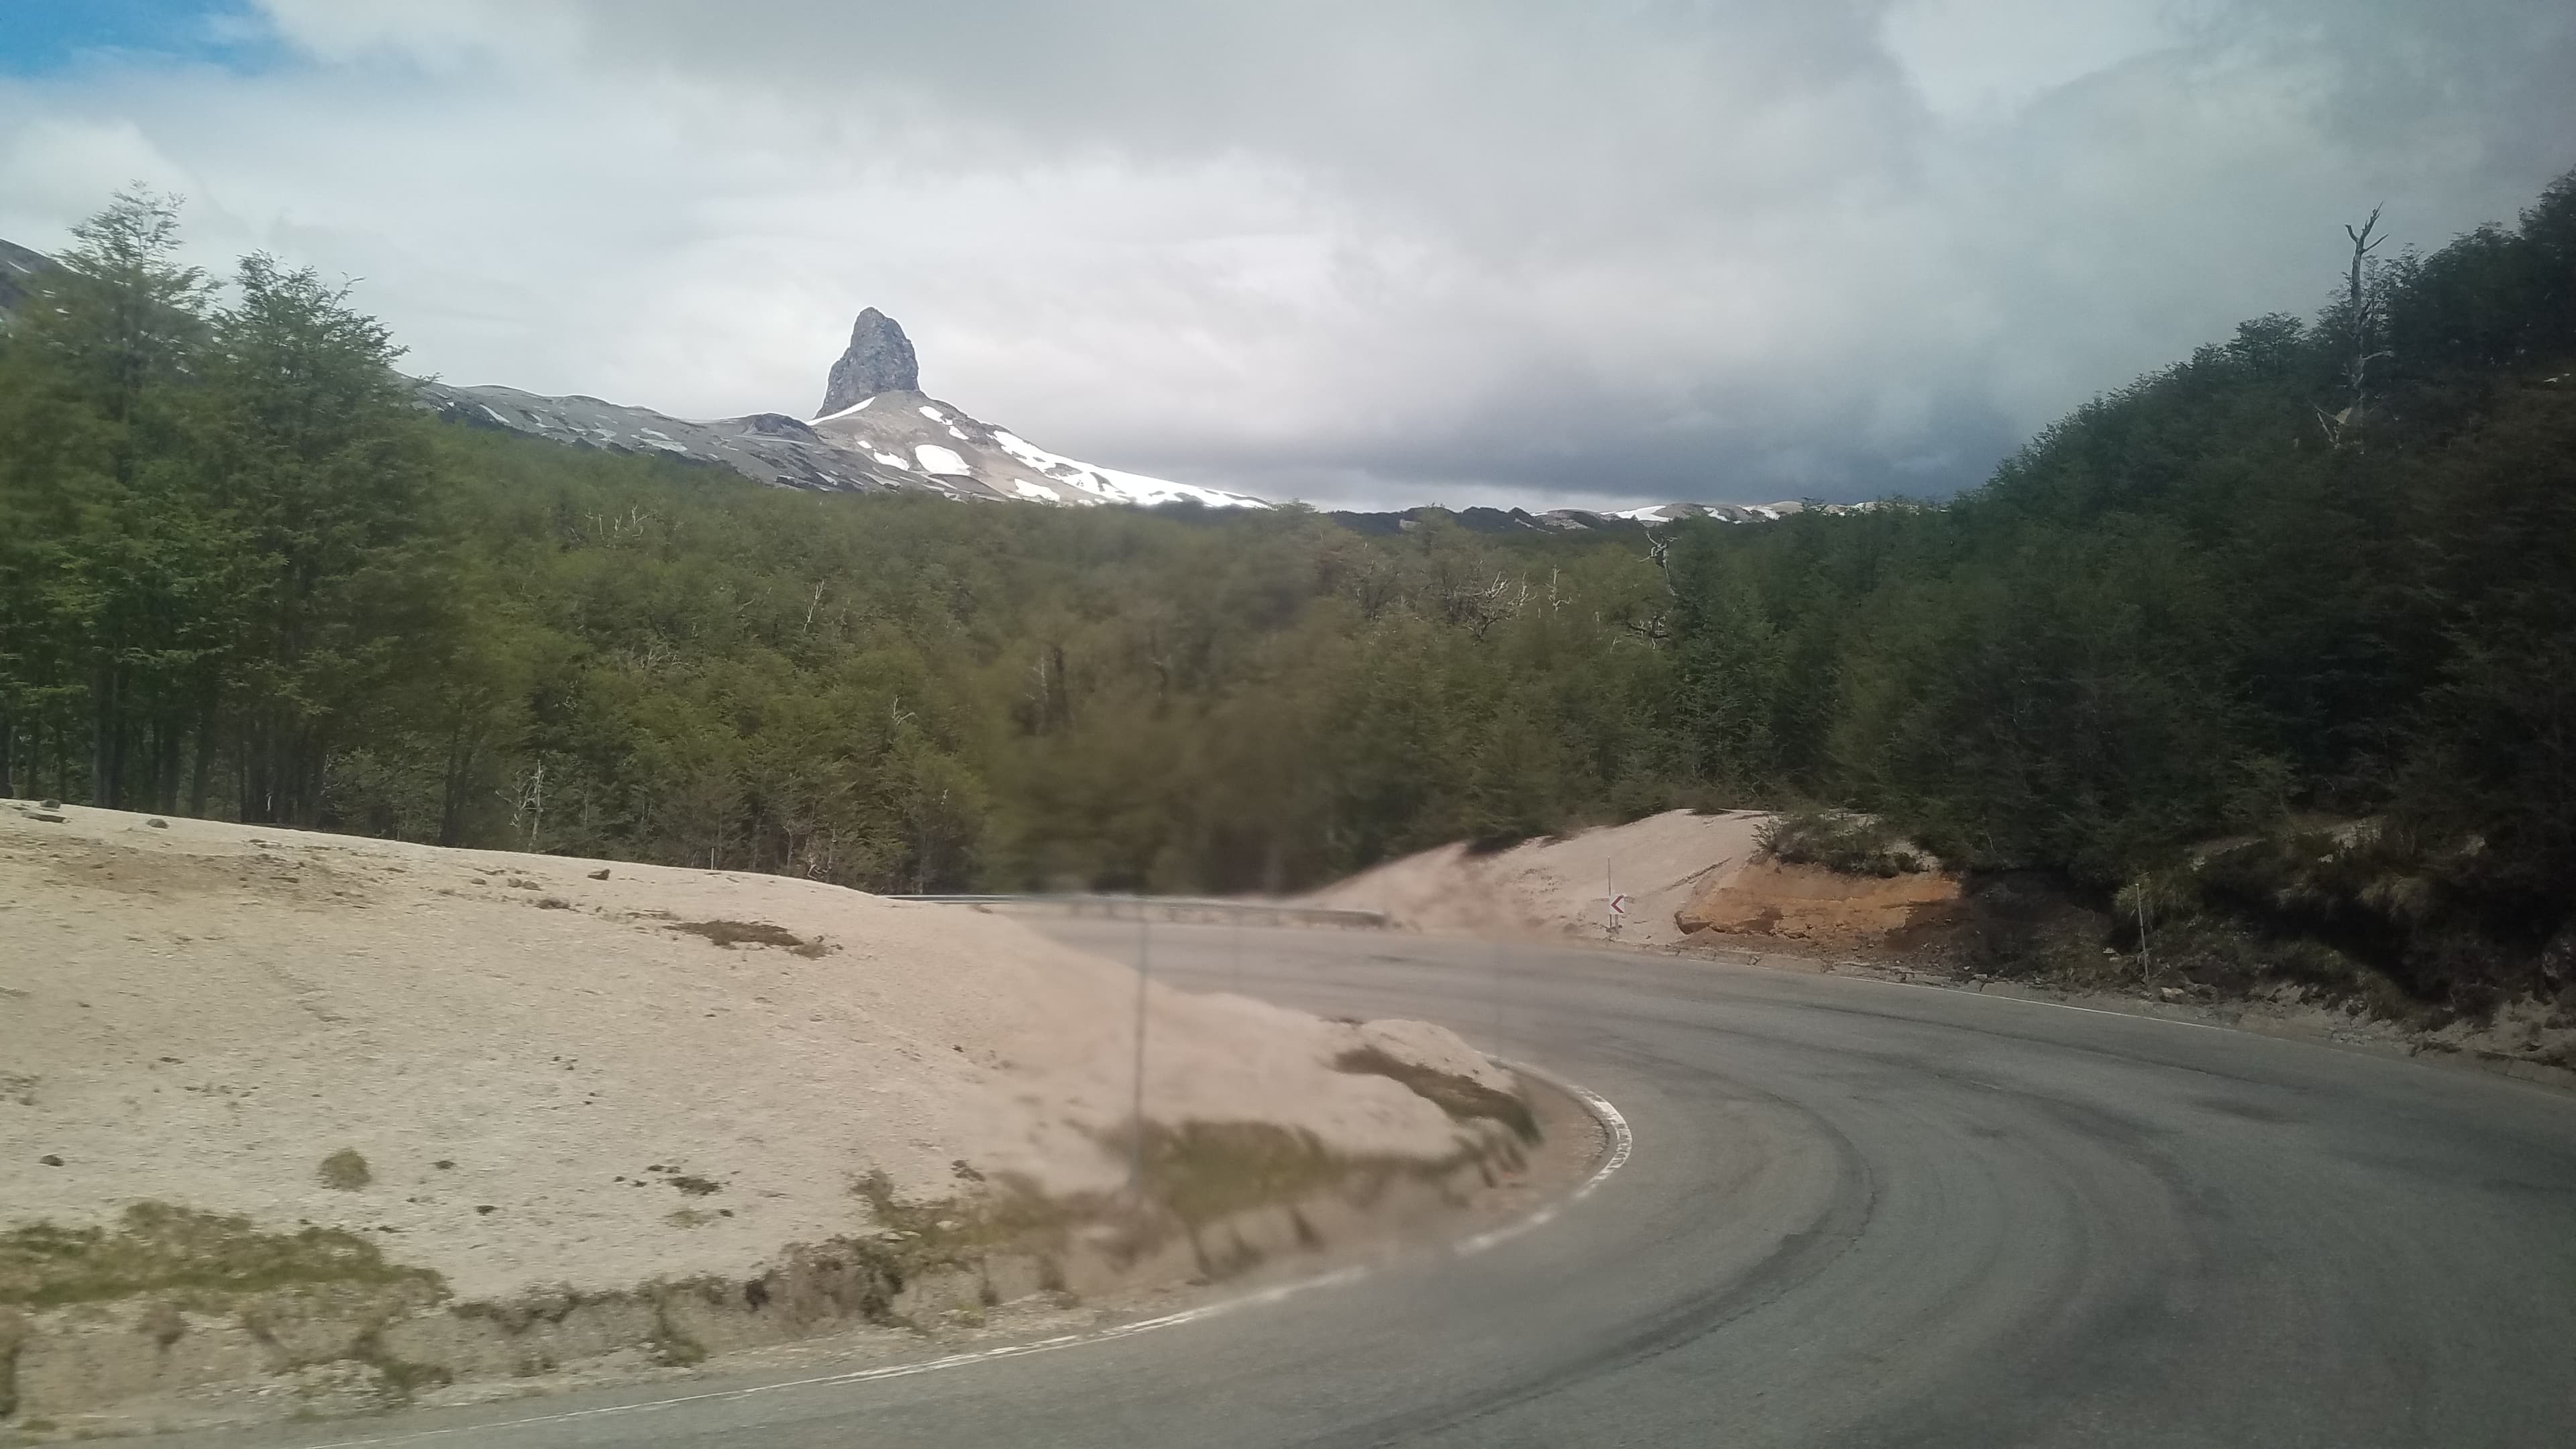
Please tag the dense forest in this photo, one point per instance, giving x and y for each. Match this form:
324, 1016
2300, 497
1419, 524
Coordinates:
2282, 636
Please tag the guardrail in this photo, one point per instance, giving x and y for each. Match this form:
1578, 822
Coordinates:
1169, 908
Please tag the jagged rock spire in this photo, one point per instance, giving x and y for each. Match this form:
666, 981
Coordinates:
879, 360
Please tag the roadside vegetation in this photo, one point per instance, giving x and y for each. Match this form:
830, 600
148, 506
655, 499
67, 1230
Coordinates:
1843, 840
194, 1258
2275, 643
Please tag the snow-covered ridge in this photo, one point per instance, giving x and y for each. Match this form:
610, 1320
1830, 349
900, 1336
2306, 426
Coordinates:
908, 443
877, 433
1116, 486
1667, 512
887, 443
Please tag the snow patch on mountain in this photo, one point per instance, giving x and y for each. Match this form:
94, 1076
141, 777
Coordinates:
936, 459
1115, 486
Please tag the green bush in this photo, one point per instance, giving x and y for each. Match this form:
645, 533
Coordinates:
1840, 840
344, 1171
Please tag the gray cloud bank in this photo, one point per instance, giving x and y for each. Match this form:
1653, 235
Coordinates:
1499, 251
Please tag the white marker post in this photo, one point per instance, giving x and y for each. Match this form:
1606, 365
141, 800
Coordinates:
1618, 911
1144, 972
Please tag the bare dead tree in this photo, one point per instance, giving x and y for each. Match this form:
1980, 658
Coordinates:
1653, 629
2362, 305
1478, 605
526, 797
1048, 705
1656, 628
1659, 552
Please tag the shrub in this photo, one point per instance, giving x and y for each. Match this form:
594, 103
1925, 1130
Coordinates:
1839, 840
344, 1170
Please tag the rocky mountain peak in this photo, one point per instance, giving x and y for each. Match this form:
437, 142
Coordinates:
879, 360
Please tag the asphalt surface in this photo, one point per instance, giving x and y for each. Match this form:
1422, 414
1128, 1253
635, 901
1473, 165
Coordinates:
1857, 1214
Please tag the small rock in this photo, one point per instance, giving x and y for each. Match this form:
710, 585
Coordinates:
50, 1160
49, 804
50, 817
157, 823
600, 874
485, 1209
2170, 993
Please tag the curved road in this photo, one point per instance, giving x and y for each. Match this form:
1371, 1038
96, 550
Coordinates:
1858, 1214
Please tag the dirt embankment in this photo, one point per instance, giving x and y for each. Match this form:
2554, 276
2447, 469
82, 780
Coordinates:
274, 1102
1822, 907
1685, 876
1703, 883
1562, 885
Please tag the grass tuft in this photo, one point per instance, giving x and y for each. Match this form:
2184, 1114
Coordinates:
344, 1170
730, 934
1464, 1098
157, 1248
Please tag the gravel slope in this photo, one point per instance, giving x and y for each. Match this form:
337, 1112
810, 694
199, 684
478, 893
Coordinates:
551, 1078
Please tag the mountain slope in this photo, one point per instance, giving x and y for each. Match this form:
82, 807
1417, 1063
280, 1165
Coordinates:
878, 432
19, 268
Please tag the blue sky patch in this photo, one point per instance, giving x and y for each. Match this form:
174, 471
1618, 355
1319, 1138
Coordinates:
43, 37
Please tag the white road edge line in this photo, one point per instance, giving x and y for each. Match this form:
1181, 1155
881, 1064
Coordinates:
1622, 1143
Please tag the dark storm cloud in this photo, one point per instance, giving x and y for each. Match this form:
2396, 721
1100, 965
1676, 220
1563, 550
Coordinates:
1626, 251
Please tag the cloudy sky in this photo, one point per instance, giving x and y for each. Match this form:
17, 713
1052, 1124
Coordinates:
1588, 251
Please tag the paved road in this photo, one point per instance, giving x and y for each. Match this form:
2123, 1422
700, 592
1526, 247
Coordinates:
1858, 1214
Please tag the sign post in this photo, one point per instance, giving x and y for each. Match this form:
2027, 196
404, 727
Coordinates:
1144, 974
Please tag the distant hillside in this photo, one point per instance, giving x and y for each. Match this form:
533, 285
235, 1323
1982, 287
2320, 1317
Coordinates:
19, 268
878, 432
1633, 521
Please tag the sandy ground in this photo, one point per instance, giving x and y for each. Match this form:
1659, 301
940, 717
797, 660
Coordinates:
551, 1082
1560, 887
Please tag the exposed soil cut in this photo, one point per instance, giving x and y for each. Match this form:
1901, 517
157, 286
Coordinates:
1684, 876
1827, 907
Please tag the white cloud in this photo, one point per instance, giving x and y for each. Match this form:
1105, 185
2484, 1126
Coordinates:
1984, 59
1718, 251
